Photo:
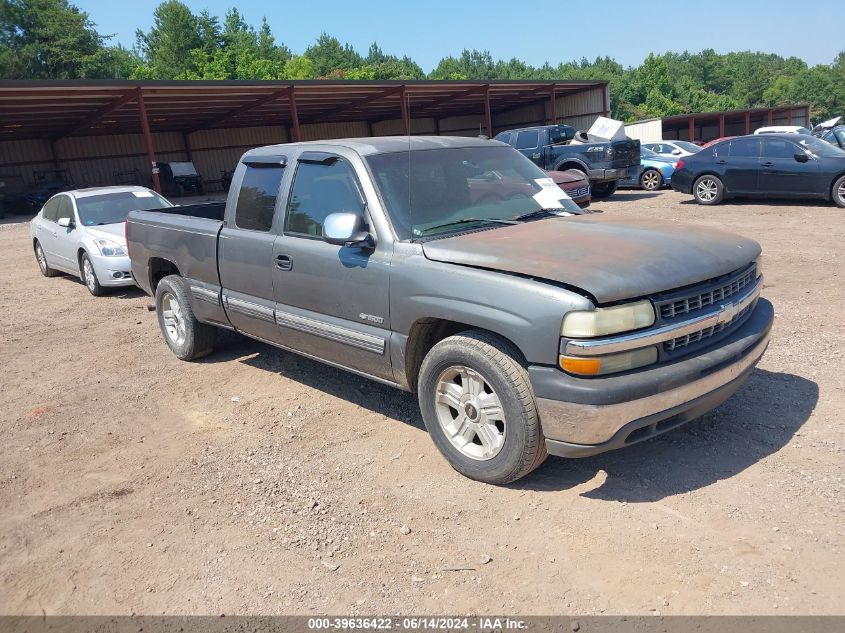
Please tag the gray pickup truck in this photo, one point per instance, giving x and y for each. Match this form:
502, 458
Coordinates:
454, 268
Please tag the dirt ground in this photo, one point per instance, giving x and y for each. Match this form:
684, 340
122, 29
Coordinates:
259, 482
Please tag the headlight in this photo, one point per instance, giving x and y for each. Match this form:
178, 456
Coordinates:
109, 248
601, 321
610, 364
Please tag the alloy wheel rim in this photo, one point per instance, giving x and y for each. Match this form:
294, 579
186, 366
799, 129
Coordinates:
42, 261
174, 320
90, 277
470, 413
650, 180
841, 192
706, 190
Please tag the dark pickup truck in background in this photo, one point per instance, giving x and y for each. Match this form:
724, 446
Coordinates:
525, 325
551, 148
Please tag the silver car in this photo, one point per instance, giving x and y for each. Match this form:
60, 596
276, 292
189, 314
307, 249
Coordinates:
81, 232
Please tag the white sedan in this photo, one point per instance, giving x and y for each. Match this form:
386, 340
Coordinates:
81, 232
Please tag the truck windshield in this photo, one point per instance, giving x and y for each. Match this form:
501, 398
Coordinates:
437, 191
111, 208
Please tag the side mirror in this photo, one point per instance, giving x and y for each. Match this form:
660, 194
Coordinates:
676, 152
347, 229
801, 157
67, 223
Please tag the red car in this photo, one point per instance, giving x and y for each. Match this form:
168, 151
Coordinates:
574, 184
716, 140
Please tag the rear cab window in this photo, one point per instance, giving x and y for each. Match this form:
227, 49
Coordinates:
527, 139
257, 196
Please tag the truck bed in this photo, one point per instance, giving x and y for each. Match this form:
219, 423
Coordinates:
184, 237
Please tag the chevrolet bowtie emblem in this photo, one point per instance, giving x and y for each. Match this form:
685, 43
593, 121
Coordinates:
727, 312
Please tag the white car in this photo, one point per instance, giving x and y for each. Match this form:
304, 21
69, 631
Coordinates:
673, 148
81, 232
782, 129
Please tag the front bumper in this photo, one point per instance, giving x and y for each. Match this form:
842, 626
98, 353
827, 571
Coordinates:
112, 271
586, 416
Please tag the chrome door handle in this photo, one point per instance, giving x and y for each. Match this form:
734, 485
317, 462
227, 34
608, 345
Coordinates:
768, 164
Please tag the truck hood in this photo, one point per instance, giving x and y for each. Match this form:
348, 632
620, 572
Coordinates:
609, 258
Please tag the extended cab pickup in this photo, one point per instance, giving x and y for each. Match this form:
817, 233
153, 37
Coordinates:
550, 147
525, 325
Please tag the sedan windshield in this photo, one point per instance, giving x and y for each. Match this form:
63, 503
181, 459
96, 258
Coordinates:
111, 208
821, 148
437, 191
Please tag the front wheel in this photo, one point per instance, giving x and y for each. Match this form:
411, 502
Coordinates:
838, 192
651, 180
604, 189
89, 276
184, 334
708, 190
42, 261
478, 406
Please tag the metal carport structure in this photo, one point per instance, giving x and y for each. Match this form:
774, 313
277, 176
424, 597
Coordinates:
65, 122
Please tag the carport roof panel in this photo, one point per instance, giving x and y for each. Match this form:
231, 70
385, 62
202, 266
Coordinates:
54, 109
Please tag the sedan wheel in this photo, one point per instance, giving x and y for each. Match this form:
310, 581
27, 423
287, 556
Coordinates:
708, 190
470, 413
651, 180
89, 276
41, 258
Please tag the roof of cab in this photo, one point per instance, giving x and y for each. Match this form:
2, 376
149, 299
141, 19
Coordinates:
382, 144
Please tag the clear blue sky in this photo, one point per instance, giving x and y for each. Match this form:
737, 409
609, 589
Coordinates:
430, 29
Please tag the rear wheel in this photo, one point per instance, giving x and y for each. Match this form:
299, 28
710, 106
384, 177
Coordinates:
708, 189
651, 180
185, 336
42, 261
478, 406
604, 189
838, 192
89, 276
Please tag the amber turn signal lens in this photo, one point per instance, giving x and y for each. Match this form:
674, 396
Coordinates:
583, 366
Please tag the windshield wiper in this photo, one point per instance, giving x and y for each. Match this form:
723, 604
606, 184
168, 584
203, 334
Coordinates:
465, 220
555, 212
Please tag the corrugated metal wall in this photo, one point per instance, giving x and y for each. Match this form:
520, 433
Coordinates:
646, 131
99, 160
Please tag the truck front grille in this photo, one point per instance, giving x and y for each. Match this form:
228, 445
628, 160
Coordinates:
580, 192
710, 296
696, 337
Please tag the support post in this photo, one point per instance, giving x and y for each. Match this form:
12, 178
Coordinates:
436, 126
148, 140
691, 129
771, 116
54, 153
553, 105
187, 143
605, 99
747, 122
721, 125
406, 118
488, 118
789, 117
294, 114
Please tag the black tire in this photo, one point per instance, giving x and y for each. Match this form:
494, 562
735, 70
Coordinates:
651, 180
43, 266
837, 193
89, 276
604, 189
708, 190
199, 338
496, 362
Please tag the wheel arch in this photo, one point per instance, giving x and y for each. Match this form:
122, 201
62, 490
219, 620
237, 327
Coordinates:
159, 268
426, 332
571, 163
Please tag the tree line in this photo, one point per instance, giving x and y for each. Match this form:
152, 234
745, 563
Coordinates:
53, 39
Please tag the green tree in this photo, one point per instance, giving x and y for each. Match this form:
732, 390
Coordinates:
328, 54
52, 39
167, 47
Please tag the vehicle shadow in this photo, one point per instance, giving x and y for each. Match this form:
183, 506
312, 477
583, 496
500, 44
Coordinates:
767, 202
624, 195
338, 383
117, 292
759, 420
